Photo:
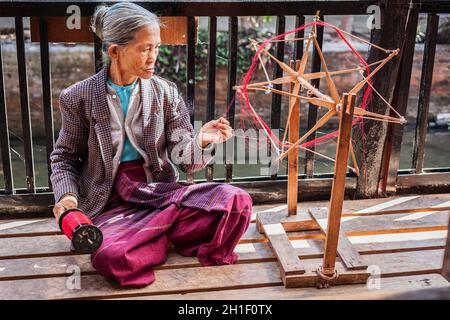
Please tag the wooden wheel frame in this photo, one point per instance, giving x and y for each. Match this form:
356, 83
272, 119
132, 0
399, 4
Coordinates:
350, 268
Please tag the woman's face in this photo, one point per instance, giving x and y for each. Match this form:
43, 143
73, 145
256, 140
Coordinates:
139, 56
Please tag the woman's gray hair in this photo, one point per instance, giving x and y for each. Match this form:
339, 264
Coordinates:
119, 23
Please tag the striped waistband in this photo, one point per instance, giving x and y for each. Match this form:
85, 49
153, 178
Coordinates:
131, 163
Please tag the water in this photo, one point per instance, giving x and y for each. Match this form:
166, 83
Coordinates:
437, 149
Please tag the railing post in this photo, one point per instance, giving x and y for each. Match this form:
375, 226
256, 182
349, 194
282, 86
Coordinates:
4, 134
190, 85
275, 116
231, 103
25, 105
46, 93
211, 90
425, 92
391, 153
298, 45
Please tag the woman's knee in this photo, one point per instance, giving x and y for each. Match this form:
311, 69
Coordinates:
242, 203
108, 259
244, 200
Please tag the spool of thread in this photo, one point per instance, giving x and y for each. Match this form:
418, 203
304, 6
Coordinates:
85, 236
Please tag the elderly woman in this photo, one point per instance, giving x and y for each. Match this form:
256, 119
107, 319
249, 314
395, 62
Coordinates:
124, 133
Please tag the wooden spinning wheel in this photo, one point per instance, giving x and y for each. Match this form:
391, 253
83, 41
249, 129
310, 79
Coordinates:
351, 268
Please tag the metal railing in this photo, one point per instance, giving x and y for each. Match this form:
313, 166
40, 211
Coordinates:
263, 189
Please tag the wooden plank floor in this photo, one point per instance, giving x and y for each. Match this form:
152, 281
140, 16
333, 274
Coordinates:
403, 249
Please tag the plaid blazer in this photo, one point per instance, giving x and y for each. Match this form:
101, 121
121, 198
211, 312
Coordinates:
82, 158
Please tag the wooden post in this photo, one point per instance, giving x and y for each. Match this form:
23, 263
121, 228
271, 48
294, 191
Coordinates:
446, 264
391, 152
294, 135
338, 188
391, 35
426, 83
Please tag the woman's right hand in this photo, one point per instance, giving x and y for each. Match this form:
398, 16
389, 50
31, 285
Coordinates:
66, 202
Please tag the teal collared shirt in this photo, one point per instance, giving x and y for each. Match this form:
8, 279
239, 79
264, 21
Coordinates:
124, 92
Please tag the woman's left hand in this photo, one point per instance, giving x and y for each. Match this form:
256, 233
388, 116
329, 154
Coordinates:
215, 131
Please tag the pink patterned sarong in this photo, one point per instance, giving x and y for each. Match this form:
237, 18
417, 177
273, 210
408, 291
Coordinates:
141, 220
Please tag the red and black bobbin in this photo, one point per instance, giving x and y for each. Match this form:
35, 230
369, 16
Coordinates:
85, 236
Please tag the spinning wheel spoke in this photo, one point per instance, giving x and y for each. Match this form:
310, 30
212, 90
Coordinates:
283, 80
361, 84
282, 65
330, 83
359, 112
304, 60
316, 101
321, 74
354, 169
319, 124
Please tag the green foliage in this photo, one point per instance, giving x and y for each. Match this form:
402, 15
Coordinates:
267, 19
172, 60
420, 35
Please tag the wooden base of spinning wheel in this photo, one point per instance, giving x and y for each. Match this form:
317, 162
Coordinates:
350, 267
